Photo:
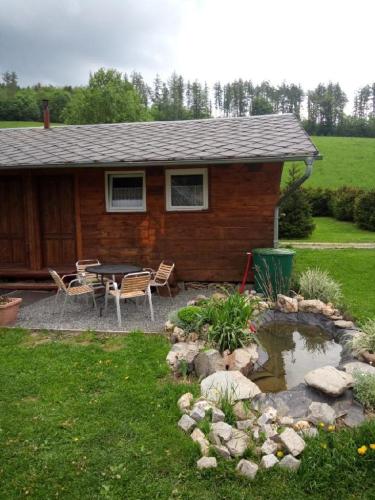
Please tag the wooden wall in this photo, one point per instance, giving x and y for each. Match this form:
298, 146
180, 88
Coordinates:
207, 245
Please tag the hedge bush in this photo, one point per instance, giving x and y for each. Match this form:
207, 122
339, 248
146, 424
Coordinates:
364, 210
343, 202
321, 201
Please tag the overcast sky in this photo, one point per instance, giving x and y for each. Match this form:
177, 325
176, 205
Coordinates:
61, 41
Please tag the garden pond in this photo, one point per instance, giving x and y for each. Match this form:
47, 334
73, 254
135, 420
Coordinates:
288, 351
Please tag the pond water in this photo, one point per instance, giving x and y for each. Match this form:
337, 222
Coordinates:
290, 352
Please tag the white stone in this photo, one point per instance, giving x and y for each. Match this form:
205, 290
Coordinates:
217, 415
269, 446
358, 366
186, 423
242, 359
286, 421
289, 462
208, 362
301, 425
292, 441
242, 411
185, 401
204, 446
207, 463
223, 430
204, 404
232, 384
312, 306
286, 304
341, 323
197, 413
186, 351
247, 468
214, 438
268, 416
321, 412
222, 451
238, 443
197, 434
256, 433
329, 380
168, 326
243, 425
270, 430
268, 461
311, 432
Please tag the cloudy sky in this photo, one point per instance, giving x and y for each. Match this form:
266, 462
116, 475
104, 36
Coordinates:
61, 41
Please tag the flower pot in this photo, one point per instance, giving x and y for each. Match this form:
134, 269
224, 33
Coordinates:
8, 311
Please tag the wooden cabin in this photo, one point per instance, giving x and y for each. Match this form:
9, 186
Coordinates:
200, 193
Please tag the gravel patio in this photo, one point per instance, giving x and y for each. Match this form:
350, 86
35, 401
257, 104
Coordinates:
79, 315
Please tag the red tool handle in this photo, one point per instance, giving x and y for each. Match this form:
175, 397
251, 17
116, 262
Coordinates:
246, 273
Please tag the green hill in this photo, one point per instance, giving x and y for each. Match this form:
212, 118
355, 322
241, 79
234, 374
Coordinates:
346, 161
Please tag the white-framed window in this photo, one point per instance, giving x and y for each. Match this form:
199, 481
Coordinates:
186, 189
125, 192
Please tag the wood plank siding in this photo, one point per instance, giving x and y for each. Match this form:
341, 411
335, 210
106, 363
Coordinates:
207, 245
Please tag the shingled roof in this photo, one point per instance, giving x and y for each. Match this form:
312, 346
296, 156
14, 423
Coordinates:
219, 140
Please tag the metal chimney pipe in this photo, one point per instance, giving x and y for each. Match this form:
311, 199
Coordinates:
46, 118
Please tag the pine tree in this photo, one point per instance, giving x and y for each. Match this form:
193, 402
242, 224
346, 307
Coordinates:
295, 212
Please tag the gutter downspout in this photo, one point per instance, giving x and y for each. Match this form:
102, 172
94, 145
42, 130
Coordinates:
309, 168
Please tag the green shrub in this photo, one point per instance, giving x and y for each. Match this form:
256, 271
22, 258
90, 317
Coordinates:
318, 284
295, 212
228, 321
364, 389
320, 201
343, 202
189, 314
365, 340
364, 210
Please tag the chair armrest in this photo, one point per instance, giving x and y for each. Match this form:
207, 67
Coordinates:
69, 275
149, 270
74, 281
110, 284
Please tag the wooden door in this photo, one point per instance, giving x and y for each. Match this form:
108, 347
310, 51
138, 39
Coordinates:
57, 226
13, 251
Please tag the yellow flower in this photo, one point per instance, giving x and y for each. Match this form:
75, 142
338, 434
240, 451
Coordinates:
372, 446
331, 428
362, 450
321, 424
324, 445
280, 454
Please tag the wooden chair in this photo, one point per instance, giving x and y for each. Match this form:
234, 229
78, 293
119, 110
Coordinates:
133, 285
91, 279
161, 276
74, 289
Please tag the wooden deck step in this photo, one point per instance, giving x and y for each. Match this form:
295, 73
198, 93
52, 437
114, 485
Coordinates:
27, 285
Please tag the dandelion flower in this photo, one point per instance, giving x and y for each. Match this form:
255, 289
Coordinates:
321, 424
324, 445
280, 454
331, 428
362, 450
372, 446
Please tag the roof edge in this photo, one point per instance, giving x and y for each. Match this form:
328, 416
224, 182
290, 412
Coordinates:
223, 161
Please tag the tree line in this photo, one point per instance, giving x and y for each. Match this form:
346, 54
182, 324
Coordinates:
111, 96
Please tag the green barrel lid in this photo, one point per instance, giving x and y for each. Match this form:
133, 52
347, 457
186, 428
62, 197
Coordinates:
273, 251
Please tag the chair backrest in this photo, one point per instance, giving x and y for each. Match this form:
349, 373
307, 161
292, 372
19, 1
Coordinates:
136, 282
81, 268
164, 272
57, 279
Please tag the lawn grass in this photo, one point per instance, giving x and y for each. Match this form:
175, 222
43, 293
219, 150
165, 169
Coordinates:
330, 230
347, 161
10, 124
94, 418
354, 269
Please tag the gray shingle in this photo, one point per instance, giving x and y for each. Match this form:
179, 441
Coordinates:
275, 137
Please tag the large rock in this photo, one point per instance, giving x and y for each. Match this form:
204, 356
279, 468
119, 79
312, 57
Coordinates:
222, 451
247, 468
311, 306
182, 351
269, 446
230, 384
292, 441
238, 443
329, 380
358, 366
242, 359
217, 415
341, 323
208, 362
185, 401
321, 412
290, 463
287, 304
207, 463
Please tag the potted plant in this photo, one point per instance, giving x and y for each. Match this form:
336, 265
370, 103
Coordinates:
8, 310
